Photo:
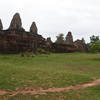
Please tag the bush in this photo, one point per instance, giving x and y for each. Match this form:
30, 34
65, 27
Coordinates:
28, 54
42, 51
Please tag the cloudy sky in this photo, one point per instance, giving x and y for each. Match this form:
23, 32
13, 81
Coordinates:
82, 17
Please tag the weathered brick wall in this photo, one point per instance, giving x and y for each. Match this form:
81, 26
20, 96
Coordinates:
15, 41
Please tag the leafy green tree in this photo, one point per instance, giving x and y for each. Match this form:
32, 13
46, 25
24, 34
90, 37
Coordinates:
60, 38
95, 47
93, 39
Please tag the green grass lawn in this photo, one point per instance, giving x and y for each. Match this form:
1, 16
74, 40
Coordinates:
45, 71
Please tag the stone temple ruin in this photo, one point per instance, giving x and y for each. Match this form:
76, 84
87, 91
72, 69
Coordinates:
69, 39
15, 39
68, 45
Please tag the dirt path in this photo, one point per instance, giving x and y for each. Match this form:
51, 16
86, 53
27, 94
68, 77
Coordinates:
50, 90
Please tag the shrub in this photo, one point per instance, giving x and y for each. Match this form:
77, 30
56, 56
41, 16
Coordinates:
42, 51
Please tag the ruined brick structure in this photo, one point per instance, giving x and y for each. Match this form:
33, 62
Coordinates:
69, 39
63, 48
81, 45
1, 26
15, 39
68, 45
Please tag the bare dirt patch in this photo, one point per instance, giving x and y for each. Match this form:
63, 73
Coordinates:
50, 90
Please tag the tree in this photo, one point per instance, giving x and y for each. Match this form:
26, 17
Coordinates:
60, 38
95, 47
93, 39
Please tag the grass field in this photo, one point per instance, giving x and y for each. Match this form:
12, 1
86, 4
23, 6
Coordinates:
48, 71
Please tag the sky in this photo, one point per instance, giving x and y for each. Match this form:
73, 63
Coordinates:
81, 17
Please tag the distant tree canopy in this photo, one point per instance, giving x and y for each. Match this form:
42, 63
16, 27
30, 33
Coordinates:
93, 39
60, 38
95, 47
